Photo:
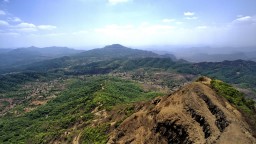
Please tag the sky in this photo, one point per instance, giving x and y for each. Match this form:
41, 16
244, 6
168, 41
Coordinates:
93, 23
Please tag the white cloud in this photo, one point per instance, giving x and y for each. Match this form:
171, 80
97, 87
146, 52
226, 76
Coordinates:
168, 20
189, 13
6, 1
3, 23
26, 25
190, 16
245, 18
46, 27
29, 27
2, 12
113, 2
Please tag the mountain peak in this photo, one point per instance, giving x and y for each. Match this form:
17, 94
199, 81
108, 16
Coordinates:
115, 46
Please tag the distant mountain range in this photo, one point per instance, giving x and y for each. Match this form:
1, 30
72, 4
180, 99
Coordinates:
115, 51
118, 57
11, 58
203, 57
206, 53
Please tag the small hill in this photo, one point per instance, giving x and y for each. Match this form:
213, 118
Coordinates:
193, 114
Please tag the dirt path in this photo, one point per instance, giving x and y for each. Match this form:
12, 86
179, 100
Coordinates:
77, 138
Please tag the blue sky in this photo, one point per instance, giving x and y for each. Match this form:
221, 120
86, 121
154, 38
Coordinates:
93, 23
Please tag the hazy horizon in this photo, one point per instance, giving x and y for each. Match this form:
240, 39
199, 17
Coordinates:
133, 23
160, 48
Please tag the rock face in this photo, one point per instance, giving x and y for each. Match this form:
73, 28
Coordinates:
194, 114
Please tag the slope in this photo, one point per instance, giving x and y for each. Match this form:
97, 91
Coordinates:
73, 110
194, 114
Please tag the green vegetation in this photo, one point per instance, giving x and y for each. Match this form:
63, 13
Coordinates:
233, 96
95, 135
101, 67
235, 72
245, 105
73, 105
121, 91
163, 63
11, 82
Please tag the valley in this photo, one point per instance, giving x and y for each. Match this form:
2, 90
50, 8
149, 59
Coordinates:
104, 95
